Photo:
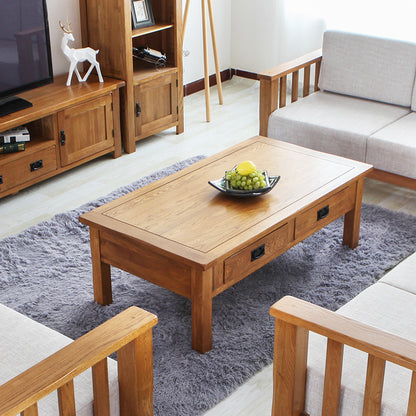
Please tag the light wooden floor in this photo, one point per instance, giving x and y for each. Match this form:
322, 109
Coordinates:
231, 123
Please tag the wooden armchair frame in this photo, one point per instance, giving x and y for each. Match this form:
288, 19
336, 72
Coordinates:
273, 93
273, 84
294, 319
129, 333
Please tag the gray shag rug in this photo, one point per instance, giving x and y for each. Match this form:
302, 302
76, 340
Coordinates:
45, 273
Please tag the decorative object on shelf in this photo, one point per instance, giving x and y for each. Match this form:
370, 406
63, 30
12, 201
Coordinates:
15, 135
214, 47
78, 55
12, 147
142, 14
150, 55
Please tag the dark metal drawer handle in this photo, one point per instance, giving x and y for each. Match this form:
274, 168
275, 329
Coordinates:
36, 165
138, 110
323, 212
258, 252
1, 179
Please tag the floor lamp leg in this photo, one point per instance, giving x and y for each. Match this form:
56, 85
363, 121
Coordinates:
185, 19
214, 46
206, 68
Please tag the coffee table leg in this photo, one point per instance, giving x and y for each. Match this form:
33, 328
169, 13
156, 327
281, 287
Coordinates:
101, 273
201, 298
352, 219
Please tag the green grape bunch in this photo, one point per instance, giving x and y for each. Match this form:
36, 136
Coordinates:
252, 181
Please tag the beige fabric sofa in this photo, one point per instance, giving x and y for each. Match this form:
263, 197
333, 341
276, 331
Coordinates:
43, 370
360, 360
363, 106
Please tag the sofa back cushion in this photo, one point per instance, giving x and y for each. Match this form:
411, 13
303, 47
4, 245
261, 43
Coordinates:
368, 67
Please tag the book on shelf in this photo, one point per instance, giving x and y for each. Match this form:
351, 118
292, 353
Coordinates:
12, 147
15, 135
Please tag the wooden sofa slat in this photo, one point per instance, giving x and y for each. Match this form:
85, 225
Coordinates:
374, 386
136, 393
332, 382
66, 399
30, 411
317, 72
100, 388
411, 407
283, 91
347, 331
289, 369
306, 80
295, 86
58, 369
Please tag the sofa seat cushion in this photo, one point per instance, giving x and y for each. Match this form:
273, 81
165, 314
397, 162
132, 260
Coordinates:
403, 276
25, 342
382, 306
332, 123
368, 67
393, 148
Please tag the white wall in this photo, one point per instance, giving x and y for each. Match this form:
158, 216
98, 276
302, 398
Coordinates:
62, 10
193, 62
269, 32
253, 36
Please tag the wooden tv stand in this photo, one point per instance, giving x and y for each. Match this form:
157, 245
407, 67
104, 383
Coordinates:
68, 126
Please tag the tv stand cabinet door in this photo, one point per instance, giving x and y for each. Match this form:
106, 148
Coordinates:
86, 129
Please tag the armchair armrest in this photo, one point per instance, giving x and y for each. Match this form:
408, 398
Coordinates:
129, 333
273, 84
294, 319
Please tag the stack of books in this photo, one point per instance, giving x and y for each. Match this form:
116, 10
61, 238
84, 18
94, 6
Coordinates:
14, 140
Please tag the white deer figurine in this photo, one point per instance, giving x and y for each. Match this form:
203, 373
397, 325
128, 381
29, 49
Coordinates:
78, 55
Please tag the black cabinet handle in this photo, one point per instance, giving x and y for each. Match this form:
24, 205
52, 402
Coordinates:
258, 252
323, 212
1, 179
36, 165
138, 110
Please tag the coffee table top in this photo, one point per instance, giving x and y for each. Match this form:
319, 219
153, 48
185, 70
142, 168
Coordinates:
182, 215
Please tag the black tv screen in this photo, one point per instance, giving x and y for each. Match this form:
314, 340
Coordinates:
25, 52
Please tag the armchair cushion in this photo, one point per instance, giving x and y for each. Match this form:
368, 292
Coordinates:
368, 307
393, 148
333, 123
368, 67
25, 342
403, 275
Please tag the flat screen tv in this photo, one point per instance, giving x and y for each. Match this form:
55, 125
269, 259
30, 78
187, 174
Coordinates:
25, 51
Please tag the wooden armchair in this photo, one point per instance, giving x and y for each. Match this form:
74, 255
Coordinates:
273, 84
129, 333
274, 92
294, 319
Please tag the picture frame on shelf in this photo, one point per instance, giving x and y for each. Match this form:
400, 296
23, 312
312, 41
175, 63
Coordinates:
142, 14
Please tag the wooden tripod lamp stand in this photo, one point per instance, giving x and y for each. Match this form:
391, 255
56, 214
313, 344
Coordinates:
204, 4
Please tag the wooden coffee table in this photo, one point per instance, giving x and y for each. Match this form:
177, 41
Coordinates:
182, 234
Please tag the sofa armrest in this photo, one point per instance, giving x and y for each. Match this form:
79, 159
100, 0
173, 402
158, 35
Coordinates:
273, 84
294, 319
129, 333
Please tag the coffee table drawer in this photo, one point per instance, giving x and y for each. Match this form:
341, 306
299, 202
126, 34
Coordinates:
324, 213
256, 255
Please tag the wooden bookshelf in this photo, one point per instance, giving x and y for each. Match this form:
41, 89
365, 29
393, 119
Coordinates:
152, 100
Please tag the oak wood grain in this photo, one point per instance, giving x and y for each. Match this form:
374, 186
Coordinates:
58, 370
291, 313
